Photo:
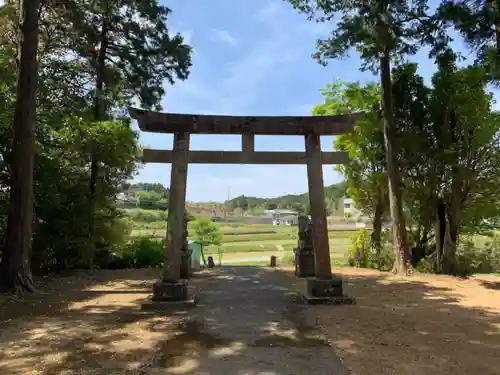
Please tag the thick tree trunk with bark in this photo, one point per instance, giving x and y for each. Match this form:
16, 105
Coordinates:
15, 270
439, 230
403, 255
376, 237
447, 236
449, 259
98, 116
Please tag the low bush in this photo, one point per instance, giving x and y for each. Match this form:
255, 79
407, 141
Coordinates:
147, 252
363, 255
474, 259
147, 216
141, 252
360, 252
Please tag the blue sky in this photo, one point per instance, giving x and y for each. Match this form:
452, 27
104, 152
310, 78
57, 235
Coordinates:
250, 57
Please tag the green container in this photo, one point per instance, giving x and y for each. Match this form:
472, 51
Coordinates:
195, 248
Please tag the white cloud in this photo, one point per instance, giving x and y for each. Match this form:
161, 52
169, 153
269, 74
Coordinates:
239, 85
243, 77
224, 36
270, 12
276, 15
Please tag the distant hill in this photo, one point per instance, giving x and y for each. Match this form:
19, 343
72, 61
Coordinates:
298, 202
145, 195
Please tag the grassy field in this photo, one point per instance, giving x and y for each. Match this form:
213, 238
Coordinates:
257, 240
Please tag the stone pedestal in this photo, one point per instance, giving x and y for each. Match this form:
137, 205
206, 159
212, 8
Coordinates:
170, 291
304, 262
169, 294
186, 269
304, 252
330, 290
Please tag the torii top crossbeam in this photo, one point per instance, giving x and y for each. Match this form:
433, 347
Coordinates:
158, 122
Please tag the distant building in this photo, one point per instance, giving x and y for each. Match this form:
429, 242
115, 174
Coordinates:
127, 197
279, 211
349, 207
287, 220
283, 217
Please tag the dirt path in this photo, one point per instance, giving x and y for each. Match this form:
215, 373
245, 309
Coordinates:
247, 323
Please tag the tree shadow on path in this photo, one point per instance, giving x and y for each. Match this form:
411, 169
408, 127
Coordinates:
400, 326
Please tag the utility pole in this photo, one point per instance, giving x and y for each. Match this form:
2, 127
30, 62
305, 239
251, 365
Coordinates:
227, 202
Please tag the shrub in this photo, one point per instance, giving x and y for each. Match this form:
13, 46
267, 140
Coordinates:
360, 251
478, 259
148, 216
363, 255
385, 258
427, 264
147, 252
141, 252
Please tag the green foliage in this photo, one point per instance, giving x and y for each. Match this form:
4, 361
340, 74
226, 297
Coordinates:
363, 255
478, 259
126, 47
360, 251
477, 22
141, 252
372, 27
151, 200
61, 173
206, 232
472, 258
157, 188
220, 254
448, 150
133, 40
148, 216
365, 171
147, 252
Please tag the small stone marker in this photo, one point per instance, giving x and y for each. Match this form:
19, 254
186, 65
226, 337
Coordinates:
273, 261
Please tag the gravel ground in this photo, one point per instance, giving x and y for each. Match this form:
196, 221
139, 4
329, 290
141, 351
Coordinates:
247, 322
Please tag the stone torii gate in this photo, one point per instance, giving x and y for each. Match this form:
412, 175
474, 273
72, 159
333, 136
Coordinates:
171, 287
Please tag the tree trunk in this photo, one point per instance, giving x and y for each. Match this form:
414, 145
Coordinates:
203, 256
376, 238
97, 116
403, 255
16, 266
99, 86
449, 258
440, 229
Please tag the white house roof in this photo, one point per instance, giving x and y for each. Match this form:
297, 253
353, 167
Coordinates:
282, 212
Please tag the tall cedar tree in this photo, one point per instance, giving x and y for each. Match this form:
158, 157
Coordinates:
478, 21
15, 268
128, 50
381, 31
